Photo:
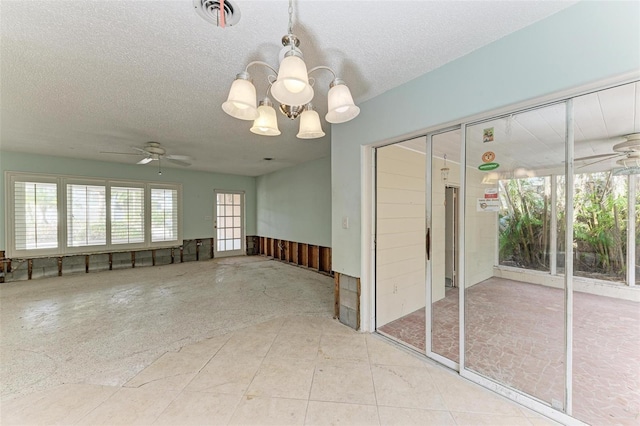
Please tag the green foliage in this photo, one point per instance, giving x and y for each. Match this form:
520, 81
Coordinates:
600, 218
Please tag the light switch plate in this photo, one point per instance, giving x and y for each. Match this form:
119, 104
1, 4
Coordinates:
345, 222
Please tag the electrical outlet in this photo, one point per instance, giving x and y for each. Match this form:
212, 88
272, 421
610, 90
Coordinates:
395, 289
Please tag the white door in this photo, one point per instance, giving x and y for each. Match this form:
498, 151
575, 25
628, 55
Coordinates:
229, 223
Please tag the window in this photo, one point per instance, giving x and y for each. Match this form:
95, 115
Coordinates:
35, 215
57, 215
86, 215
164, 214
127, 215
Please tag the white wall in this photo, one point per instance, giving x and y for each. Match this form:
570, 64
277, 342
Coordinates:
438, 220
197, 187
481, 232
294, 204
400, 226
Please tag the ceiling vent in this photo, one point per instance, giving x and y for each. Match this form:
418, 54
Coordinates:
209, 10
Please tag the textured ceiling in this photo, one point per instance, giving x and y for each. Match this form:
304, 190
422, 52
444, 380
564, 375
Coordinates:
81, 77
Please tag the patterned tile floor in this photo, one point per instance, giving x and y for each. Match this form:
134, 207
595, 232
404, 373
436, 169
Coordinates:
515, 335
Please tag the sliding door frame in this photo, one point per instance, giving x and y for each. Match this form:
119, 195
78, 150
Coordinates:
521, 397
368, 237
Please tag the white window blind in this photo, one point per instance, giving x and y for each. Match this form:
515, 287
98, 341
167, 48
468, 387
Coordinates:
127, 215
86, 215
35, 215
51, 215
164, 214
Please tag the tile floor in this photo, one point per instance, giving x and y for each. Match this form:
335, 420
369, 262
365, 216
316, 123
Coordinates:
516, 335
287, 371
233, 341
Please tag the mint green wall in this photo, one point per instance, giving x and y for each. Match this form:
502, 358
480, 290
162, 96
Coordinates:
294, 204
197, 187
584, 43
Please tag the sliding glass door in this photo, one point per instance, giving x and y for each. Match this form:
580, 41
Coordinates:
400, 242
514, 316
417, 185
507, 249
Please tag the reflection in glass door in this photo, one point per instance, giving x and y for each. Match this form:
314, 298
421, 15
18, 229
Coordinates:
442, 212
400, 242
229, 223
514, 313
417, 184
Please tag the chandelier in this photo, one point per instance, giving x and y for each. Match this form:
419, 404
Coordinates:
292, 87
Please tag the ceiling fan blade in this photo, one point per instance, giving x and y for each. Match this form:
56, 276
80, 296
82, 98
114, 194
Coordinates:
145, 160
592, 157
139, 149
121, 153
177, 157
179, 162
608, 141
609, 157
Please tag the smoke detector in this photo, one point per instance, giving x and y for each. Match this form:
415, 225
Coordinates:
209, 10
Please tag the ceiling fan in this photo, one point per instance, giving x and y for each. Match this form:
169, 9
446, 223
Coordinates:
153, 151
628, 150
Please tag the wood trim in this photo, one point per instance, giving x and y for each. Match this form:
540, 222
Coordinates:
358, 306
2, 260
336, 296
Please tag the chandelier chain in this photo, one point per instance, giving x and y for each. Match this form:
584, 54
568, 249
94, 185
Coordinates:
290, 16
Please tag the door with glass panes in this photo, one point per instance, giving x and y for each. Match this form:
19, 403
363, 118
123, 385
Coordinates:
229, 223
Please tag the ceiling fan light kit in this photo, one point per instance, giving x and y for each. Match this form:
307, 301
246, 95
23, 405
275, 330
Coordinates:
628, 149
632, 160
293, 89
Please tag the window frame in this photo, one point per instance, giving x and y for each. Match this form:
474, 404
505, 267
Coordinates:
64, 208
145, 216
153, 186
10, 230
63, 248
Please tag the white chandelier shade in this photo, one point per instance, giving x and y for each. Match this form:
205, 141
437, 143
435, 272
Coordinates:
310, 127
341, 106
292, 86
241, 102
267, 123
